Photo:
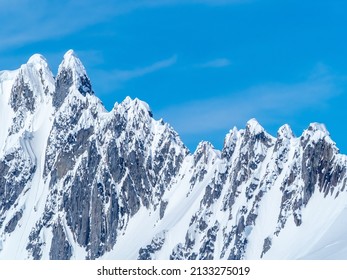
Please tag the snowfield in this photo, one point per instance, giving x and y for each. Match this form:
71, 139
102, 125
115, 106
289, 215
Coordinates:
78, 182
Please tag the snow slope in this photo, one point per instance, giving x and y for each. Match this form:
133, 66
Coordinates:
79, 182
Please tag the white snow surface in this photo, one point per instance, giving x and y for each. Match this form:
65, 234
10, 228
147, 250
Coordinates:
192, 213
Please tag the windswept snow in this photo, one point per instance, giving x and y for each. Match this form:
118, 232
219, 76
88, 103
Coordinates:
79, 182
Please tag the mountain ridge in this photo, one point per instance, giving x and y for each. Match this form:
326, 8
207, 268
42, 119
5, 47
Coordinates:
77, 181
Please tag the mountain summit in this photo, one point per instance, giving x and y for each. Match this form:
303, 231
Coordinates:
78, 182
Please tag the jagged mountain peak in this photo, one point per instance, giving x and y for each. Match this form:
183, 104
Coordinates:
37, 67
205, 152
128, 102
32, 84
205, 147
79, 182
316, 132
285, 131
70, 60
230, 141
318, 127
37, 59
72, 77
233, 134
254, 127
231, 137
70, 53
255, 133
134, 107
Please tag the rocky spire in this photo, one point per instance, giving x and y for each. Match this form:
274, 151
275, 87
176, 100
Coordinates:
72, 76
253, 127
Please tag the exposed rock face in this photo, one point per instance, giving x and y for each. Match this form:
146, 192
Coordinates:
60, 247
147, 253
78, 182
71, 77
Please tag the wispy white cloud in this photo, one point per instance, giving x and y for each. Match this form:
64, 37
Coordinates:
125, 75
116, 78
216, 63
22, 22
272, 103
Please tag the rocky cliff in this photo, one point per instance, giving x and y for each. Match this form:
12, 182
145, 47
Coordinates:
77, 181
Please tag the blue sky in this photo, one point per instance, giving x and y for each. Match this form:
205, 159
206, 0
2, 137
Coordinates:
204, 66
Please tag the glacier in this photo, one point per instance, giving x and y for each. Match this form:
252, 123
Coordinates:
80, 182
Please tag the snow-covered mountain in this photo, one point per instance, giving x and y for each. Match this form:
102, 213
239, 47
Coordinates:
77, 181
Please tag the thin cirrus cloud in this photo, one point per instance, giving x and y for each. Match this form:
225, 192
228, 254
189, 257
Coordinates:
22, 22
117, 77
125, 75
33, 23
271, 103
216, 63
